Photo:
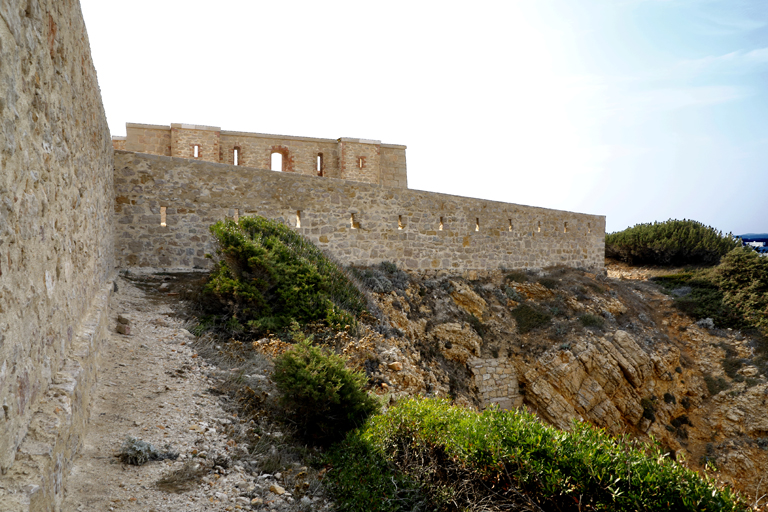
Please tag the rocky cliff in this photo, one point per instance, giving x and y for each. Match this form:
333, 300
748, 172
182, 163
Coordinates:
571, 345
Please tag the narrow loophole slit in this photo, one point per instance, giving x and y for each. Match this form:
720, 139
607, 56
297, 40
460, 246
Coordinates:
298, 218
441, 224
477, 224
236, 156
162, 216
565, 227
196, 151
237, 215
539, 227
400, 222
352, 223
510, 224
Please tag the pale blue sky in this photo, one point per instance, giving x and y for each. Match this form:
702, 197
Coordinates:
639, 110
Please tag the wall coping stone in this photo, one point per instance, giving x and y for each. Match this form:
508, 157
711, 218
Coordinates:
149, 126
185, 126
119, 137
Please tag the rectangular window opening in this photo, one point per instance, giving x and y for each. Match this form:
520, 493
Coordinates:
236, 156
352, 223
400, 222
320, 164
441, 224
196, 151
162, 216
298, 219
510, 224
565, 227
477, 224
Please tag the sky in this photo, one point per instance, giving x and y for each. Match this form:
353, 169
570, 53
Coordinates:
639, 110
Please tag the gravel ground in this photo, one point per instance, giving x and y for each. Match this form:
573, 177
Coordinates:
156, 388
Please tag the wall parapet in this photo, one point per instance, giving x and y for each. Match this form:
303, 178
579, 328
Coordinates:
346, 158
357, 223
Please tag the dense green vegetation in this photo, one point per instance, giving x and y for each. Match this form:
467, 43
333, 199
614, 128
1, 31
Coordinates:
733, 293
269, 275
321, 396
674, 242
424, 454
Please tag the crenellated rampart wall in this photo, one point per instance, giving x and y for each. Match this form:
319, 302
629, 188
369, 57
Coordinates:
358, 223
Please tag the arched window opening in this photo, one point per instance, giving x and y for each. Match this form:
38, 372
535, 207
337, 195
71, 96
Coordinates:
277, 162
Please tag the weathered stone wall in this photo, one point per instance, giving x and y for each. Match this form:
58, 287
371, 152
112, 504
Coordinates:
368, 161
145, 138
496, 382
398, 225
56, 244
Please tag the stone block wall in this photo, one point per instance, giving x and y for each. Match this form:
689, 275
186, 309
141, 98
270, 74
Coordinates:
145, 138
496, 382
358, 223
56, 244
393, 169
368, 161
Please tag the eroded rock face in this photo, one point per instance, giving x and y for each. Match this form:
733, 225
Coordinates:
642, 373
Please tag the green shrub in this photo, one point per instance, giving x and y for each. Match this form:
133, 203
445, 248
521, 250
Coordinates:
323, 398
516, 277
528, 318
457, 459
589, 320
548, 282
715, 384
270, 275
733, 293
674, 242
742, 277
382, 278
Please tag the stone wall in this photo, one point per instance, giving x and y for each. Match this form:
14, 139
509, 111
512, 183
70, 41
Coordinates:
56, 244
496, 382
368, 161
357, 223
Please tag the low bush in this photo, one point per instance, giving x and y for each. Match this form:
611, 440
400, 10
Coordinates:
382, 278
674, 242
733, 293
269, 275
516, 277
323, 398
425, 451
589, 320
529, 318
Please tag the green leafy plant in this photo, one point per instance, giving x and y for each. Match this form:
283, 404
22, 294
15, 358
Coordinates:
589, 320
323, 398
425, 450
674, 242
529, 318
269, 275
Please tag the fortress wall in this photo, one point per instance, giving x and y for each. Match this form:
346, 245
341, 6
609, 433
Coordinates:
256, 151
360, 160
147, 138
56, 245
382, 164
393, 169
476, 234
